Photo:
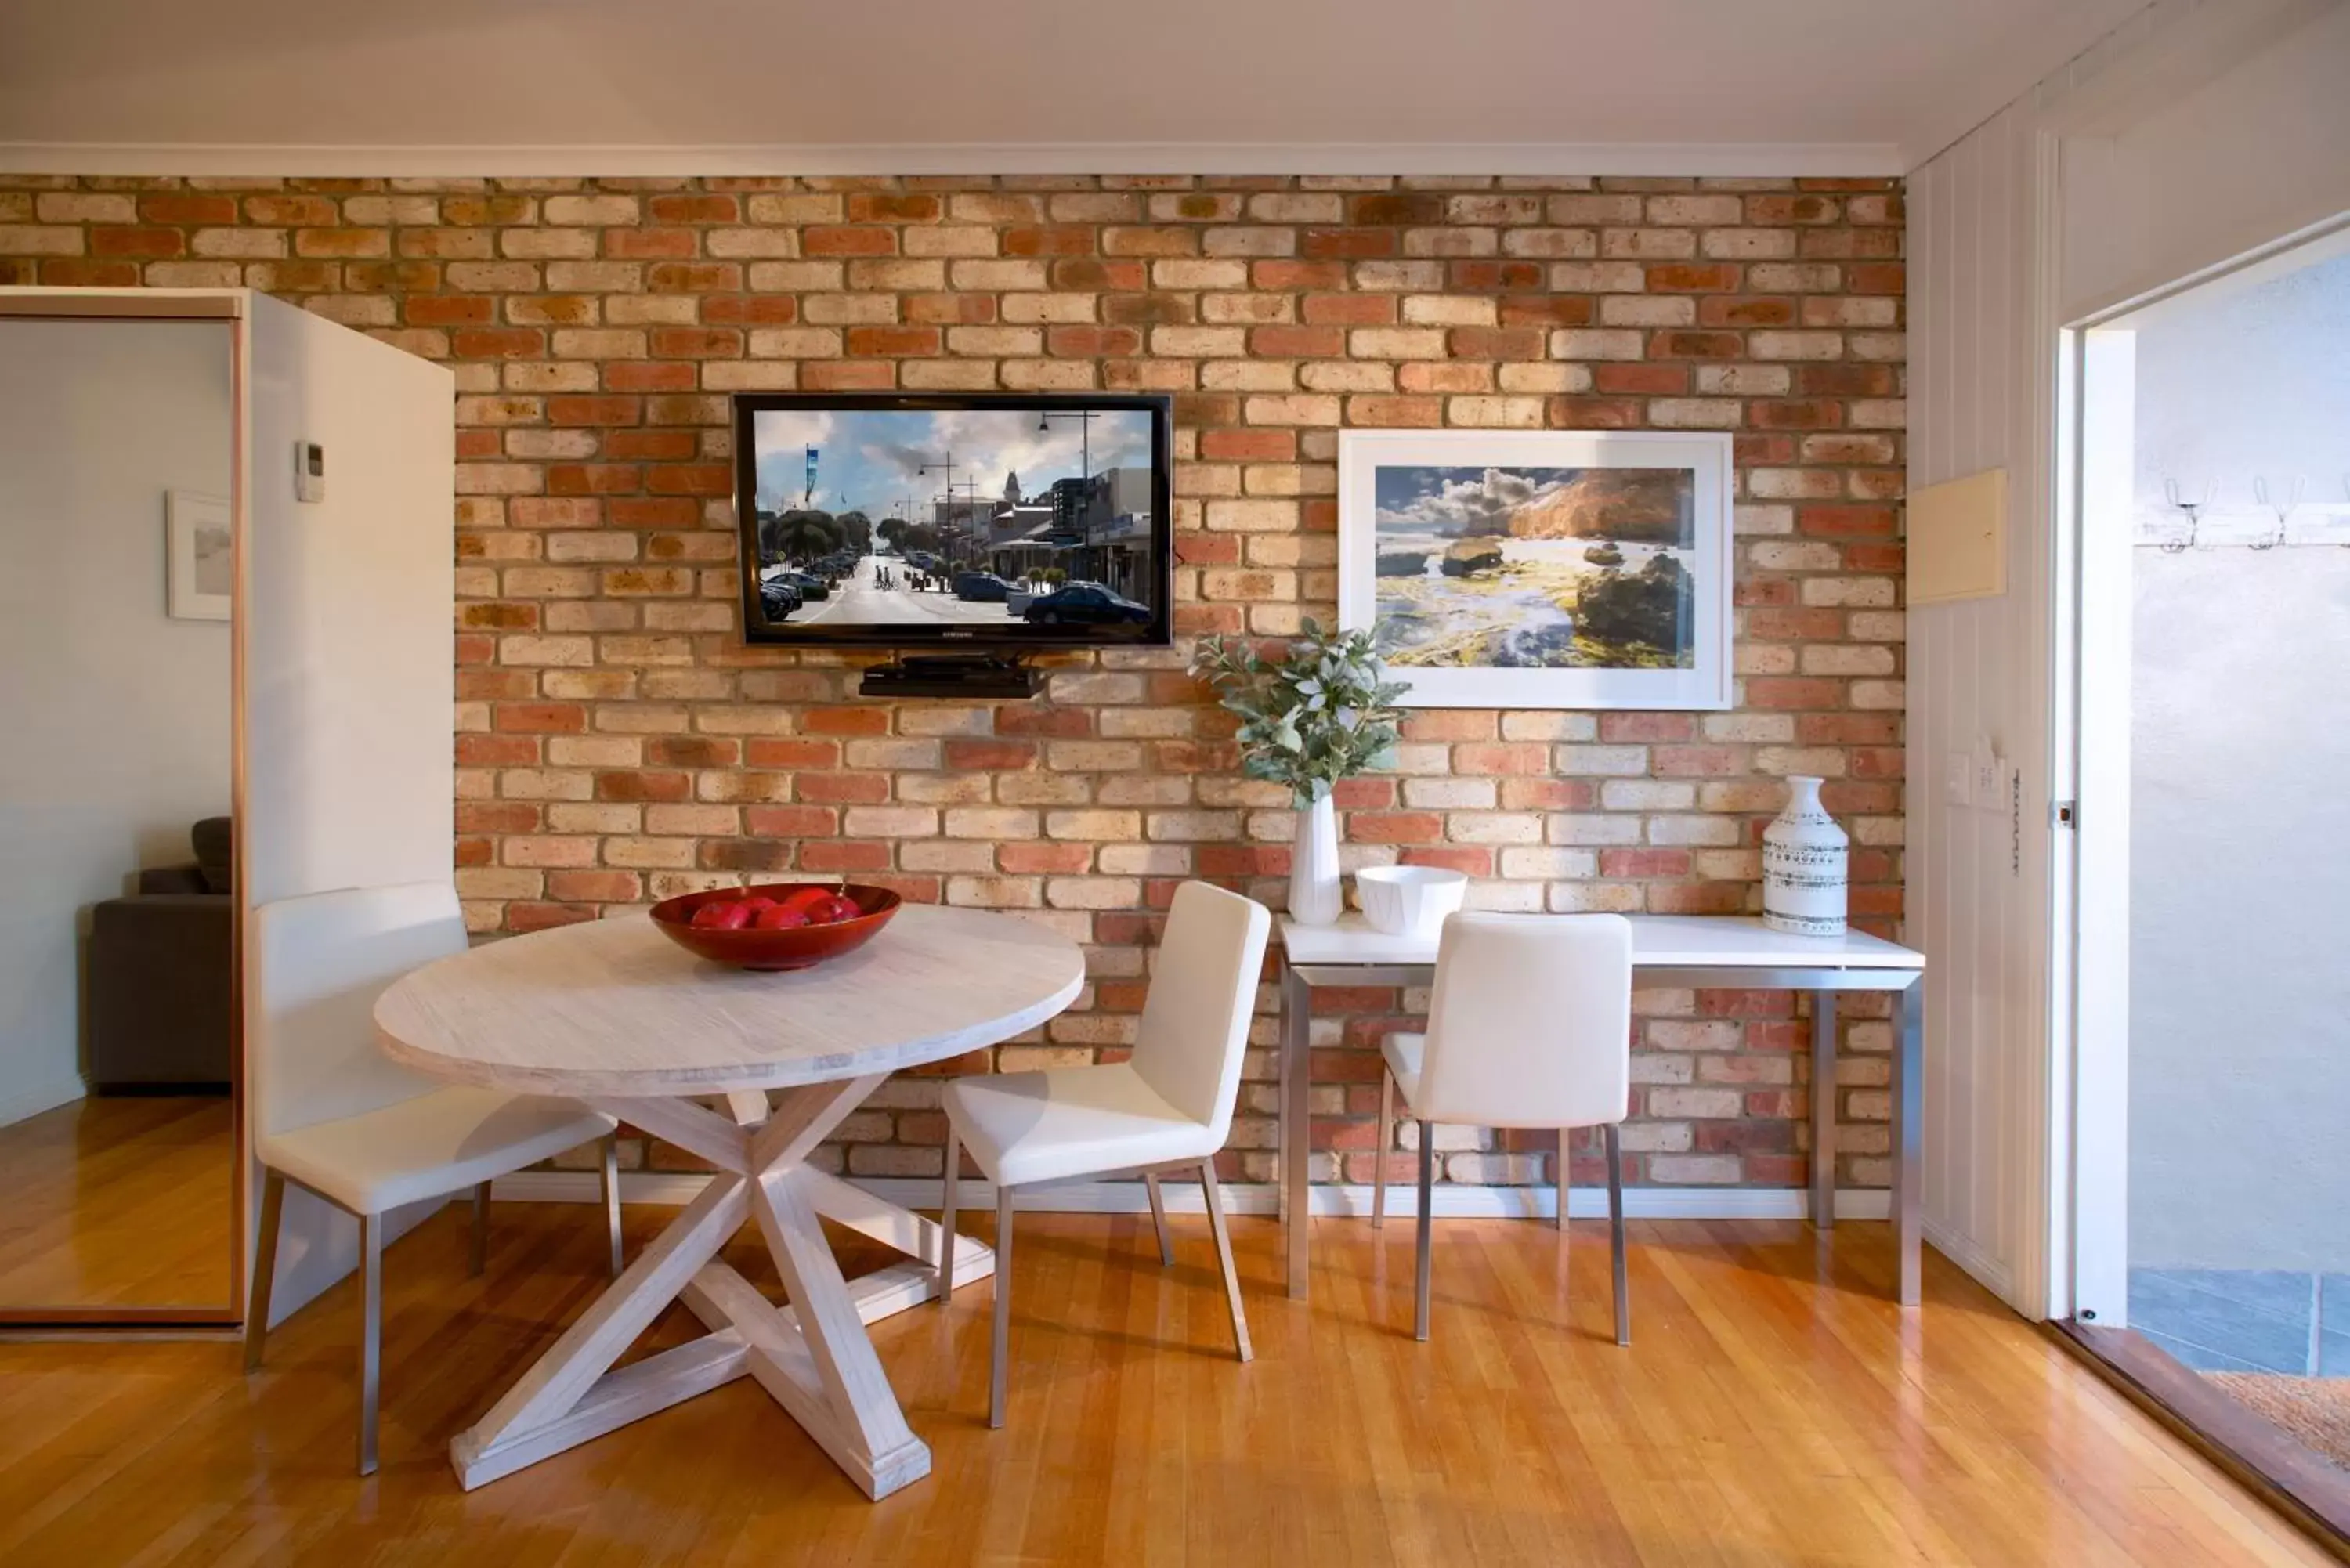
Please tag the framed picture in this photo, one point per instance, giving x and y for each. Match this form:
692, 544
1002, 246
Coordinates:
199, 556
1540, 568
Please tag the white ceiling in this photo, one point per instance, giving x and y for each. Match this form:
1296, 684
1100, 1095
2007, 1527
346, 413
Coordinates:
1210, 86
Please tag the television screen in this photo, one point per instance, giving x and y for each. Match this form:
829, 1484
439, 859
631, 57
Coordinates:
1000, 521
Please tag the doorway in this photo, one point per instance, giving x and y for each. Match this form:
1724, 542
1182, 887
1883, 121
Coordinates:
2212, 1031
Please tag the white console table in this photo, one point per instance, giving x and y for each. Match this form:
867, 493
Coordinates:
1677, 951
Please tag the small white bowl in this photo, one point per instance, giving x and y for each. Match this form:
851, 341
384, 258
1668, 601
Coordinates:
1410, 900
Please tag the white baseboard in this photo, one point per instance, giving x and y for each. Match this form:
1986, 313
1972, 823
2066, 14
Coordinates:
1453, 1201
1994, 1273
39, 1097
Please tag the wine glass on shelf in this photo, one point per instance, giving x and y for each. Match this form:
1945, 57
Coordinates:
2280, 500
2190, 499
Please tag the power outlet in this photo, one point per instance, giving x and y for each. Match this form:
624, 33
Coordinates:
1989, 770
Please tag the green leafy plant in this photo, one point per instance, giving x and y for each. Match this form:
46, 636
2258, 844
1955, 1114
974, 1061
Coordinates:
1323, 713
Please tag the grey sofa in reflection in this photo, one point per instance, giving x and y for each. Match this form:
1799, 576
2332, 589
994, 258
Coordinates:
159, 976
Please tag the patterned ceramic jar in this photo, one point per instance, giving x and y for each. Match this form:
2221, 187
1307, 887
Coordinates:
1805, 866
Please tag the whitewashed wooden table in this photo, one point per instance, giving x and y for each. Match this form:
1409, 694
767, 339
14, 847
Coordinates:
1685, 952
616, 1014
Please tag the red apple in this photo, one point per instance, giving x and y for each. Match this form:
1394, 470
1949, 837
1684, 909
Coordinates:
778, 918
757, 902
707, 917
807, 897
732, 914
833, 910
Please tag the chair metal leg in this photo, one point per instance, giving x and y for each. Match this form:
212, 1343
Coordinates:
1427, 1191
998, 1371
481, 1258
370, 1334
1565, 1168
612, 1200
265, 1267
1158, 1220
947, 1216
1224, 1259
1615, 1231
1385, 1143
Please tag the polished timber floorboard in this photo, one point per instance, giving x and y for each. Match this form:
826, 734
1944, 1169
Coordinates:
119, 1202
1774, 1408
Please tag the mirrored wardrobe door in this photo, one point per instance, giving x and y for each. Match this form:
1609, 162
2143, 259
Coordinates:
118, 1040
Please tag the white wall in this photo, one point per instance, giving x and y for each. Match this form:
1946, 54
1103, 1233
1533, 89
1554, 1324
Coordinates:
2239, 994
1979, 399
2195, 132
2239, 997
2235, 382
349, 679
115, 717
2244, 141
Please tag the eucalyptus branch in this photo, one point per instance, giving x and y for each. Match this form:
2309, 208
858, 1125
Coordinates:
1323, 713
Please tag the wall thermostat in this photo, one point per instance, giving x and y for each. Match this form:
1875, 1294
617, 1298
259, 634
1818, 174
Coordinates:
309, 471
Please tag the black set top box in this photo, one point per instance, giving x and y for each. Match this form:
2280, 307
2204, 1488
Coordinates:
966, 675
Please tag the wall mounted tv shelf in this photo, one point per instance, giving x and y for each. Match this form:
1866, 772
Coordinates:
968, 676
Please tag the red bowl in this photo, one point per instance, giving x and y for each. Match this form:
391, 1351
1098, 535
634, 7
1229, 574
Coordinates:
799, 947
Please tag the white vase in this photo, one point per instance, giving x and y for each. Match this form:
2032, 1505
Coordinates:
1805, 860
1315, 898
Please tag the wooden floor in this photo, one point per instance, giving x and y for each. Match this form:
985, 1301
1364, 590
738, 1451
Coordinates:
118, 1201
1774, 1408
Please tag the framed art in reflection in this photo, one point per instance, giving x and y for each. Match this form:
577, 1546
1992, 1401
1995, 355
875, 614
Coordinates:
201, 556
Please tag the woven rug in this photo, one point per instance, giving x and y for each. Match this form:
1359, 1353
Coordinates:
2317, 1410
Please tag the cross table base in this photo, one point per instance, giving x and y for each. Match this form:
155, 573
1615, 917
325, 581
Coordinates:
814, 1357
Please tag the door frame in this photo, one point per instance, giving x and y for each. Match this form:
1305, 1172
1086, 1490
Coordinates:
2097, 359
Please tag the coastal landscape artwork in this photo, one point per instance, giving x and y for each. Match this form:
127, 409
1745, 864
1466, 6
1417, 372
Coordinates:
1540, 569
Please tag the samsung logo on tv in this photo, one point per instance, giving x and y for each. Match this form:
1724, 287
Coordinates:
951, 633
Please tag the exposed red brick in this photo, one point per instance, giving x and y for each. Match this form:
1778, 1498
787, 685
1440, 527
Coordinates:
136, 241
1641, 380
1548, 310
833, 241
649, 244
594, 385
1684, 277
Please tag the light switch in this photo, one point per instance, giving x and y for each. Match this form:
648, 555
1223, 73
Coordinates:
1959, 779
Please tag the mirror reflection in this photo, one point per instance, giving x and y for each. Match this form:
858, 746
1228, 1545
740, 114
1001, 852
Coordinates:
118, 1044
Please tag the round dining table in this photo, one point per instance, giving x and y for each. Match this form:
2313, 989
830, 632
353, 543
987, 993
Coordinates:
614, 1014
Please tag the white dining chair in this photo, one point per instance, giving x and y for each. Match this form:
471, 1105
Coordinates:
1166, 1108
1530, 1026
337, 1117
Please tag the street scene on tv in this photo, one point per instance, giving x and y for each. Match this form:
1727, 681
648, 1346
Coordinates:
989, 518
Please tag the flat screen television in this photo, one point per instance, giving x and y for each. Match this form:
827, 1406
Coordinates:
993, 522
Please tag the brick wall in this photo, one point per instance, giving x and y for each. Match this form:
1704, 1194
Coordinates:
616, 742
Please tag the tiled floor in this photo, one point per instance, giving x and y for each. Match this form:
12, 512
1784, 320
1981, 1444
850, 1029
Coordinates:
2246, 1320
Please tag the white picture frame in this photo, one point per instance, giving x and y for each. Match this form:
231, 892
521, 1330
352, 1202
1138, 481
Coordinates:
1493, 466
199, 554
